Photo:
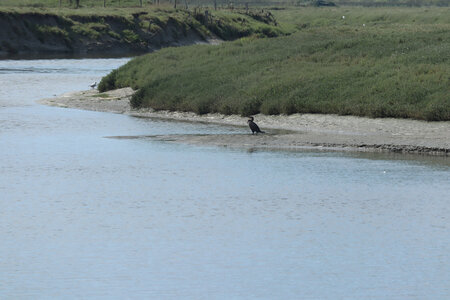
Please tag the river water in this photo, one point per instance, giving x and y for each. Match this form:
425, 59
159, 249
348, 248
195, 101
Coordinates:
89, 217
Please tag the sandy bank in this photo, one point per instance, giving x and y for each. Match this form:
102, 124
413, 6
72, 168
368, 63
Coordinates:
294, 132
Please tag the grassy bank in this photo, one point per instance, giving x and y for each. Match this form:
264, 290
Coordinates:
72, 4
122, 31
219, 3
389, 64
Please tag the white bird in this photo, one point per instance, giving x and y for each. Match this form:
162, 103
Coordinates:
93, 85
343, 17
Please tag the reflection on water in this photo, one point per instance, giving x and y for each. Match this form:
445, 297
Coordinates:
84, 216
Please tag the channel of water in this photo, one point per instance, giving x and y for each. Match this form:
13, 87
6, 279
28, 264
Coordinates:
84, 216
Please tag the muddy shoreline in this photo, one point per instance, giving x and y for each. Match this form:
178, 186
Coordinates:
294, 132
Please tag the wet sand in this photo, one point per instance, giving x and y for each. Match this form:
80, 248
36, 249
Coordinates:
293, 132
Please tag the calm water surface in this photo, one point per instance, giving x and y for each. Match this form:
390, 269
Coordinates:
84, 216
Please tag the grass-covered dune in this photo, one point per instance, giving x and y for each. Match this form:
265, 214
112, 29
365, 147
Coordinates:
383, 69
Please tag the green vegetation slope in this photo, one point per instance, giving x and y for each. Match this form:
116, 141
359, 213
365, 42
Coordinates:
219, 3
122, 31
378, 65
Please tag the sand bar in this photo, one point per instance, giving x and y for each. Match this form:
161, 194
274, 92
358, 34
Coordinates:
293, 132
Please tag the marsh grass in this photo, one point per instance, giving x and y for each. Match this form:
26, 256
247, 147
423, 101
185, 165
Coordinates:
392, 67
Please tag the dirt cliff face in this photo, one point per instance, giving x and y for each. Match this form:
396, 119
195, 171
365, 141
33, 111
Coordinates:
50, 34
46, 34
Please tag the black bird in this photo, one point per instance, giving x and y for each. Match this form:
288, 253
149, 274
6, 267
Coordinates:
253, 126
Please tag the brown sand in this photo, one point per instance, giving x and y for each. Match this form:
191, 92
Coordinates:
293, 132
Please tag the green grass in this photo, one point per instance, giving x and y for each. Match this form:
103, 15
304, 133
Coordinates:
67, 4
378, 62
398, 65
231, 25
204, 3
134, 27
308, 17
